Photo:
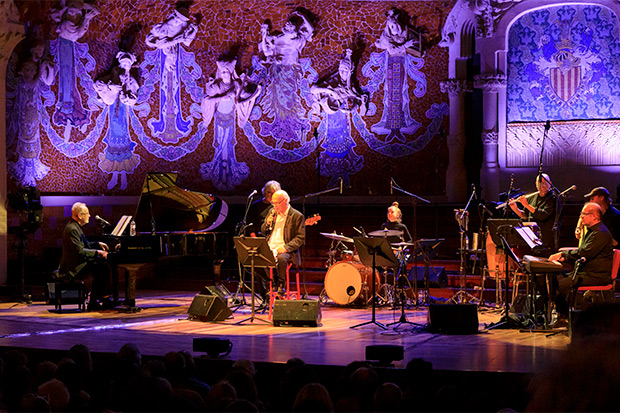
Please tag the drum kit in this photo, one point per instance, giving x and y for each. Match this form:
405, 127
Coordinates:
349, 282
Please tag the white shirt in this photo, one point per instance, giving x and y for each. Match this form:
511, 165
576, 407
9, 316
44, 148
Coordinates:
276, 239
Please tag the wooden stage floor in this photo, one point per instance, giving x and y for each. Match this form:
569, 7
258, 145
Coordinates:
163, 326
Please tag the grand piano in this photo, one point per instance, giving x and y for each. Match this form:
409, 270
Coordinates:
170, 222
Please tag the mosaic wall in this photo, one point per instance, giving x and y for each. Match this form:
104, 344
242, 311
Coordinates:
109, 96
563, 64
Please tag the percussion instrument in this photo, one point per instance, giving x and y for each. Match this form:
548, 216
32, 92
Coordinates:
336, 237
385, 233
348, 282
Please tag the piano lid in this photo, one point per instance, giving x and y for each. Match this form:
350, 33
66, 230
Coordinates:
176, 209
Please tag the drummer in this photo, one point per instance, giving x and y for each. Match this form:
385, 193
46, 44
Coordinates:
394, 222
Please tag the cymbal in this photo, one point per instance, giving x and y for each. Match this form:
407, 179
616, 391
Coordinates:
402, 244
385, 233
336, 237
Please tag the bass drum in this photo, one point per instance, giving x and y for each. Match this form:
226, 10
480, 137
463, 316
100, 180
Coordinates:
346, 282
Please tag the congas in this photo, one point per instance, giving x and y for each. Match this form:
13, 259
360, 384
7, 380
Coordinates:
496, 259
345, 283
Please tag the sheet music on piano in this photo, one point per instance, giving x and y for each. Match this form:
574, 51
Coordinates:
528, 236
120, 227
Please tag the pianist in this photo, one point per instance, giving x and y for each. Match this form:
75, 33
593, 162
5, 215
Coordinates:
596, 248
85, 260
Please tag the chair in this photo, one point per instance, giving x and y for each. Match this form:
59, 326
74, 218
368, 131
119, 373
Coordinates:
614, 275
289, 294
65, 292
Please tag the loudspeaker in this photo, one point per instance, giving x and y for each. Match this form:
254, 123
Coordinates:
453, 318
385, 353
298, 313
437, 277
216, 290
208, 308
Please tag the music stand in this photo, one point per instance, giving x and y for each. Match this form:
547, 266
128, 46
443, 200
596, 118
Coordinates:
375, 252
254, 252
506, 321
427, 249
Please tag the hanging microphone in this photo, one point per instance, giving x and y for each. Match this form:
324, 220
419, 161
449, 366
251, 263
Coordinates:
103, 221
391, 186
254, 192
548, 125
341, 185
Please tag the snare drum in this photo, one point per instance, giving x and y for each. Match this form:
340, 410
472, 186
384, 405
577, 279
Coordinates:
345, 283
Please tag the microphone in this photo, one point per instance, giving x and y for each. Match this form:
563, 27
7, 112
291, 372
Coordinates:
341, 185
581, 260
473, 189
254, 192
272, 218
103, 221
572, 188
391, 186
548, 125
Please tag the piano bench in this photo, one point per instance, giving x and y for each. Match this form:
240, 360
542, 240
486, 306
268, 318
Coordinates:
61, 293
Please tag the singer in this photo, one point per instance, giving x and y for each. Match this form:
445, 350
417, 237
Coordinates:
285, 230
261, 208
596, 248
540, 208
85, 260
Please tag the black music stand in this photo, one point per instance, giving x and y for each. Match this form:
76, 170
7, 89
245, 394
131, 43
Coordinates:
375, 252
254, 252
506, 321
427, 248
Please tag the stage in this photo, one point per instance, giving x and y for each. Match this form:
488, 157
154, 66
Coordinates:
163, 326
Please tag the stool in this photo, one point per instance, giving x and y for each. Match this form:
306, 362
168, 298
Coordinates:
288, 293
62, 293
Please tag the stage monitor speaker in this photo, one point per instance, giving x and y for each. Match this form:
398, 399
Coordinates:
208, 308
453, 318
216, 290
437, 277
297, 313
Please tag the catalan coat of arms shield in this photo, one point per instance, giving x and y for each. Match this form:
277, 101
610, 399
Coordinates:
565, 83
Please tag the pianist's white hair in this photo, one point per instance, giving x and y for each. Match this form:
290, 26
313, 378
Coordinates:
77, 208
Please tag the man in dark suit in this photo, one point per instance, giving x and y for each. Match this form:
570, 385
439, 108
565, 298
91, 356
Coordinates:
285, 230
82, 259
596, 249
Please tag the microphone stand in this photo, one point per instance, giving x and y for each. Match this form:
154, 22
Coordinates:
461, 295
240, 230
303, 248
415, 199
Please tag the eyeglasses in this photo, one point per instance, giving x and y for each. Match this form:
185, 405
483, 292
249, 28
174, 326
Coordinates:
586, 213
278, 202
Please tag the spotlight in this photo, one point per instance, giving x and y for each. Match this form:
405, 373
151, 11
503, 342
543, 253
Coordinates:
213, 346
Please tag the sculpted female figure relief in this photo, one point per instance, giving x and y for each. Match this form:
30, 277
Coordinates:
227, 96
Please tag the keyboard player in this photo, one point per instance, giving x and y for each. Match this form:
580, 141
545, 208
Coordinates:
596, 248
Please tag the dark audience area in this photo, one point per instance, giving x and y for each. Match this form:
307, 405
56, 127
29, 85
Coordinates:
77, 380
